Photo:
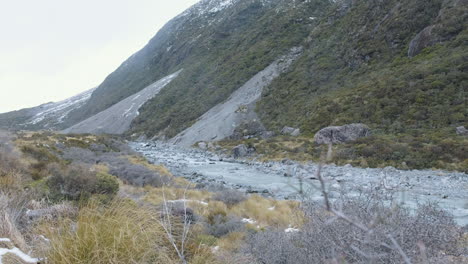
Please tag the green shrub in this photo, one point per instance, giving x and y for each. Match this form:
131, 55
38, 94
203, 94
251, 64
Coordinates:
78, 182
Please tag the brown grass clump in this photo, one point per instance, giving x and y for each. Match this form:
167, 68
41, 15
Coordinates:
10, 213
142, 161
232, 241
269, 212
120, 233
155, 195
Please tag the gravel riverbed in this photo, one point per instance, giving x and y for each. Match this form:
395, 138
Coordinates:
281, 179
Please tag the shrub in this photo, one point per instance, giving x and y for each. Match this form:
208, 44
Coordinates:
120, 166
76, 182
221, 225
75, 154
136, 174
12, 169
327, 238
230, 197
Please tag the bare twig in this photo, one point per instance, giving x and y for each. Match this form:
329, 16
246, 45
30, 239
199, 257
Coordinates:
167, 225
398, 248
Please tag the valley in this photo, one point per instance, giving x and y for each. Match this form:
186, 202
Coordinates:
254, 132
280, 180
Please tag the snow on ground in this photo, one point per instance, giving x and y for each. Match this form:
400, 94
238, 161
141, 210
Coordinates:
15, 251
248, 221
188, 201
60, 110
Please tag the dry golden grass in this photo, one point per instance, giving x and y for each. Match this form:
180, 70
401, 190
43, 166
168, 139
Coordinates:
9, 212
119, 233
269, 212
142, 161
232, 241
11, 181
161, 170
156, 195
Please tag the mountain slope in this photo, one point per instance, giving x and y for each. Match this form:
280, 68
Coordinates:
394, 65
398, 66
117, 118
46, 116
220, 44
221, 121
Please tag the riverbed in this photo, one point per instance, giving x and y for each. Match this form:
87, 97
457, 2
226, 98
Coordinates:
283, 180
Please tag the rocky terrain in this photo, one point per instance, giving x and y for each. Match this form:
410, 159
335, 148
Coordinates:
220, 121
281, 179
397, 67
117, 118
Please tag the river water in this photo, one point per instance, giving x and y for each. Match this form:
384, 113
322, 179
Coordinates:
281, 179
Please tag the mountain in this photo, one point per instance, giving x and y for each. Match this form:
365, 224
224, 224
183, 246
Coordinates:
46, 116
400, 67
117, 118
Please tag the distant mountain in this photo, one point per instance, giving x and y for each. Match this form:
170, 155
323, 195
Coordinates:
46, 116
394, 65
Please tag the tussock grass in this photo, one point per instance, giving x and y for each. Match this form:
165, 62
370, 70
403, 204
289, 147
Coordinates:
142, 161
232, 241
10, 213
155, 195
161, 170
120, 233
268, 212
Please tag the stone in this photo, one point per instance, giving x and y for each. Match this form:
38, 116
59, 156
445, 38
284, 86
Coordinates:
422, 40
240, 151
202, 145
291, 131
267, 134
248, 129
462, 131
341, 134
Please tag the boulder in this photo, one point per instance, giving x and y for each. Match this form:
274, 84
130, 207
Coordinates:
422, 40
267, 134
248, 129
242, 151
202, 145
462, 131
341, 134
291, 131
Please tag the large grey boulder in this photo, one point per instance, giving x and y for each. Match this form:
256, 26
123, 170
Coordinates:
422, 40
291, 131
341, 134
462, 131
242, 151
248, 129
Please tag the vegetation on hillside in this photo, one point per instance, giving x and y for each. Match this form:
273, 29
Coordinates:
419, 149
366, 76
245, 42
355, 68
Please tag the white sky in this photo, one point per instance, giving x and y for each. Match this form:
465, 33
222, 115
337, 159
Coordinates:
53, 49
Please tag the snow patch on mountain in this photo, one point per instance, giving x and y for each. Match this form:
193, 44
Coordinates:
117, 118
58, 111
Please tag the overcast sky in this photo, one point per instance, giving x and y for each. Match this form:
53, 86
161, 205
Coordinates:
54, 49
